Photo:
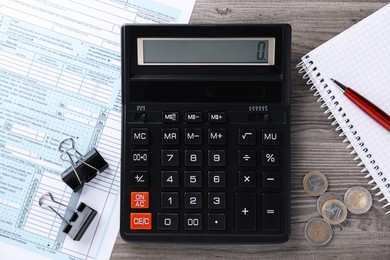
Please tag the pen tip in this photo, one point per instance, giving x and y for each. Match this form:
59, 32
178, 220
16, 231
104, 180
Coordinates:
341, 86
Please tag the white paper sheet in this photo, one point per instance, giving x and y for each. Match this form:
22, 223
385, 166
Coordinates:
60, 78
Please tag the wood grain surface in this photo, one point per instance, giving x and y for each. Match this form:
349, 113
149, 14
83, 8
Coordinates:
314, 143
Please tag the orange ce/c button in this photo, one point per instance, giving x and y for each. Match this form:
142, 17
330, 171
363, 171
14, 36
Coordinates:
141, 221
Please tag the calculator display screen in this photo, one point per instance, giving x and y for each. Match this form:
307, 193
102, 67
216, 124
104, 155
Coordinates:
206, 51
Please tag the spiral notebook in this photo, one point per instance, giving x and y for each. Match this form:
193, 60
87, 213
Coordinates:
359, 57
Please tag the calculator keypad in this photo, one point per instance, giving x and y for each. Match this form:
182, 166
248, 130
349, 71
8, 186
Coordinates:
202, 172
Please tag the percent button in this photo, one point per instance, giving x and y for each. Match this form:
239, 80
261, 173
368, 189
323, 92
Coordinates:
270, 157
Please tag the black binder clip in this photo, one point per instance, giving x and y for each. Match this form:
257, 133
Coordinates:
78, 222
84, 168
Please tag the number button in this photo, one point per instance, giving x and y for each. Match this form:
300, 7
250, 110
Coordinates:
169, 200
217, 179
193, 200
170, 157
193, 179
217, 157
169, 179
193, 221
168, 221
216, 200
140, 157
193, 157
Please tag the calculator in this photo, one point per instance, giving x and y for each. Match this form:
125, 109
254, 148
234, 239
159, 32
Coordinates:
205, 133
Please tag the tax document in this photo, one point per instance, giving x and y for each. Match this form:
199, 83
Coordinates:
60, 78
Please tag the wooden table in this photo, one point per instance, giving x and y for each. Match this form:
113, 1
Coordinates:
314, 143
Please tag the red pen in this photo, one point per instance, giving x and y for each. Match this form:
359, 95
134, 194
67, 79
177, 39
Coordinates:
367, 106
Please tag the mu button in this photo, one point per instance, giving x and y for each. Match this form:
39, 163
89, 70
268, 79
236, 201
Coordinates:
141, 221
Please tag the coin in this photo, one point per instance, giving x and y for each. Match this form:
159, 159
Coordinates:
315, 183
330, 195
318, 232
358, 200
334, 212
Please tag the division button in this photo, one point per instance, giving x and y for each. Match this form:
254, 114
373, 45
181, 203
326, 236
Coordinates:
140, 221
247, 157
245, 211
168, 221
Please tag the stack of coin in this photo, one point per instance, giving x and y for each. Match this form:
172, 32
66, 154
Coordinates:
331, 206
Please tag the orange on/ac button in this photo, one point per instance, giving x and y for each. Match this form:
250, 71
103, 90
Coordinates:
141, 221
140, 200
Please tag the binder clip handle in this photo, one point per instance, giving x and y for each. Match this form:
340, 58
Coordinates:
80, 220
82, 168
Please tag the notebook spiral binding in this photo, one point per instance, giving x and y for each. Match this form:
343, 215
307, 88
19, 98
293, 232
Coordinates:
317, 84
